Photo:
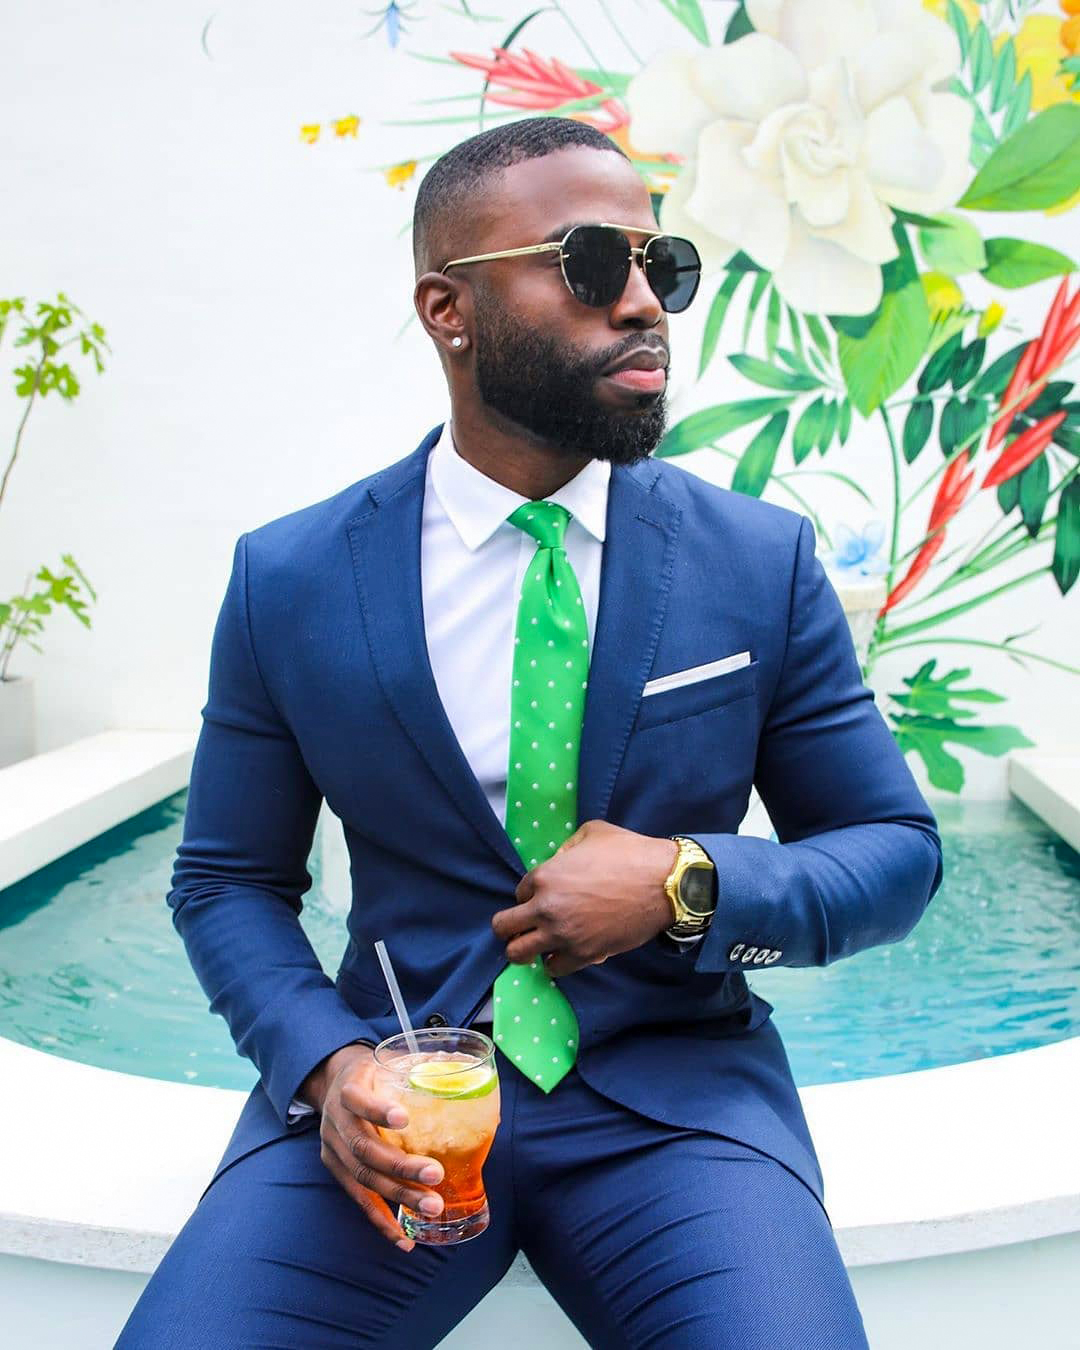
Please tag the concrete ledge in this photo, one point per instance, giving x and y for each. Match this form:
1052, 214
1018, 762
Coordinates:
938, 1161
52, 803
1048, 782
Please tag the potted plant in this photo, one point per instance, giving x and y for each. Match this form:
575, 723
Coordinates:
22, 616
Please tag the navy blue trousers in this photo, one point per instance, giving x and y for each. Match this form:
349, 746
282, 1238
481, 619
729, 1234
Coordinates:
646, 1234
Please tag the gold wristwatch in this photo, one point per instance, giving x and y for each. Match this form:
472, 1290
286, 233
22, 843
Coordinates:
690, 888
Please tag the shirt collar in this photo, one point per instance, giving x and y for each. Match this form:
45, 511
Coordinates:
477, 505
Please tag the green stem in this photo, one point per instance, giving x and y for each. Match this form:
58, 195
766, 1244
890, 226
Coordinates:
946, 614
894, 543
979, 642
19, 432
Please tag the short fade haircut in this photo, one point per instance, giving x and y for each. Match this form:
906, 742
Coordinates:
454, 181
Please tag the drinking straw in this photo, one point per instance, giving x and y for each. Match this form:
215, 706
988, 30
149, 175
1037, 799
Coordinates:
395, 994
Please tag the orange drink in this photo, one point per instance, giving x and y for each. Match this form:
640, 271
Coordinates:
449, 1086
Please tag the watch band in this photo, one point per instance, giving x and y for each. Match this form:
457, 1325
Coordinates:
684, 928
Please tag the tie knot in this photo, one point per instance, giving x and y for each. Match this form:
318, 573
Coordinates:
545, 521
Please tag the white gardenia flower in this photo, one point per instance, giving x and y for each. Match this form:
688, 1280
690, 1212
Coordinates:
799, 137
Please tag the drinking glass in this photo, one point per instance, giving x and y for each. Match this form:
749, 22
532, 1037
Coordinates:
449, 1086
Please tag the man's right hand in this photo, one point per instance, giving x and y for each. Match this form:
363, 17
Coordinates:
344, 1089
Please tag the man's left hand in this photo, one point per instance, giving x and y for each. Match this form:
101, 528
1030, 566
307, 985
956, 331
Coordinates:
600, 893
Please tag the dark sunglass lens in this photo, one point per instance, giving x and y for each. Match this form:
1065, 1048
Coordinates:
596, 261
673, 267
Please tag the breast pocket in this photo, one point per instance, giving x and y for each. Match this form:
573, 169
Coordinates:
699, 696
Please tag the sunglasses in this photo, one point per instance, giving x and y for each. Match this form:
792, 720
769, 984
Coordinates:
596, 262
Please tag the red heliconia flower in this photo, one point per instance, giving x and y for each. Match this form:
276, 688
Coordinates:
914, 574
527, 81
950, 496
1060, 333
1024, 450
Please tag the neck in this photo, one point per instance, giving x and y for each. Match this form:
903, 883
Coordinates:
527, 467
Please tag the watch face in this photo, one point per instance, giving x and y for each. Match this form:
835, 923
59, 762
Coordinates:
696, 889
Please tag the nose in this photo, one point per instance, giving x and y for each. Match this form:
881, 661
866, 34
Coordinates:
638, 306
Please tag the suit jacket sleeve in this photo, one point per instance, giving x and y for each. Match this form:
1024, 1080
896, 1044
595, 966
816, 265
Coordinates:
240, 870
857, 856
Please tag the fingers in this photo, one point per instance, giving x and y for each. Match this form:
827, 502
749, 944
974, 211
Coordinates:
373, 1164
508, 923
374, 1207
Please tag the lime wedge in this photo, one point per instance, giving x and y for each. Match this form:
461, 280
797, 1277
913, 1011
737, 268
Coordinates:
453, 1078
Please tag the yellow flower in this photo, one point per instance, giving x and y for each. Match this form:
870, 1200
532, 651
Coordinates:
992, 315
943, 295
310, 132
399, 174
346, 126
940, 8
1040, 49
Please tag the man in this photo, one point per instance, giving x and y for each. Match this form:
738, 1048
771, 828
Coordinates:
517, 663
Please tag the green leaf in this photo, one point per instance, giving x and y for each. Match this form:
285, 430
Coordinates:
829, 417
996, 376
738, 25
936, 706
936, 371
1020, 262
953, 246
819, 335
753, 469
715, 322
1004, 76
1036, 167
879, 351
706, 425
937, 696
927, 737
1066, 562
772, 323
1034, 490
982, 58
761, 372
796, 334
959, 27
1008, 494
688, 13
1019, 106
844, 424
967, 363
808, 429
761, 283
960, 418
1050, 400
917, 427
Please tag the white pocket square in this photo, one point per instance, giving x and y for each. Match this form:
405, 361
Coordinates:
694, 673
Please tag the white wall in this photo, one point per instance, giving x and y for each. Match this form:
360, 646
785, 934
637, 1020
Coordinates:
255, 367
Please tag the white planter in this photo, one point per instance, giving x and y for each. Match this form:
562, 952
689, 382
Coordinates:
16, 719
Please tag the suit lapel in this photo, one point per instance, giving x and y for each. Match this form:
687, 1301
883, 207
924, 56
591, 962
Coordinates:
635, 579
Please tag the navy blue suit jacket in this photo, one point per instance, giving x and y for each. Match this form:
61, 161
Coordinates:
320, 686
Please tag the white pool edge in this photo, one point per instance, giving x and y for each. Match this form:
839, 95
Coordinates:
102, 1168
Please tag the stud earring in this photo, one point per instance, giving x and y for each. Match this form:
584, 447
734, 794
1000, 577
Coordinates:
457, 342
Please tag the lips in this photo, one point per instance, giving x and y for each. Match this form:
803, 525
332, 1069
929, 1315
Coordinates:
640, 370
636, 378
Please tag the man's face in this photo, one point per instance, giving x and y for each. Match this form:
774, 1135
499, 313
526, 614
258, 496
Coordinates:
539, 351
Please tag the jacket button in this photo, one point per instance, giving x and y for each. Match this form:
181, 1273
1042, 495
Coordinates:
435, 1020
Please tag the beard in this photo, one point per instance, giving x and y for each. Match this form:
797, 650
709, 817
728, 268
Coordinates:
546, 388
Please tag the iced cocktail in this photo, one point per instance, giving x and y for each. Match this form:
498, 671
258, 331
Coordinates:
449, 1086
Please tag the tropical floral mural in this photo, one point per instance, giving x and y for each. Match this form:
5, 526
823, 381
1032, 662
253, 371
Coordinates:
869, 183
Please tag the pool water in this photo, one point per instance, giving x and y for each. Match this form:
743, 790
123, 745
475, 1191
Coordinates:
92, 969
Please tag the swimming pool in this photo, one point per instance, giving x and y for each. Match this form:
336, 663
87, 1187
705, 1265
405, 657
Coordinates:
92, 969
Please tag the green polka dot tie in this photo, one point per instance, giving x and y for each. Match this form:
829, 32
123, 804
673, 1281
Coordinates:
534, 1024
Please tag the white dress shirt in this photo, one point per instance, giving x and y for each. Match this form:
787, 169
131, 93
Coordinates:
472, 564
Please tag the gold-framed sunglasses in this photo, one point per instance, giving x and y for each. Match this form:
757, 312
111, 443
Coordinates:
596, 261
